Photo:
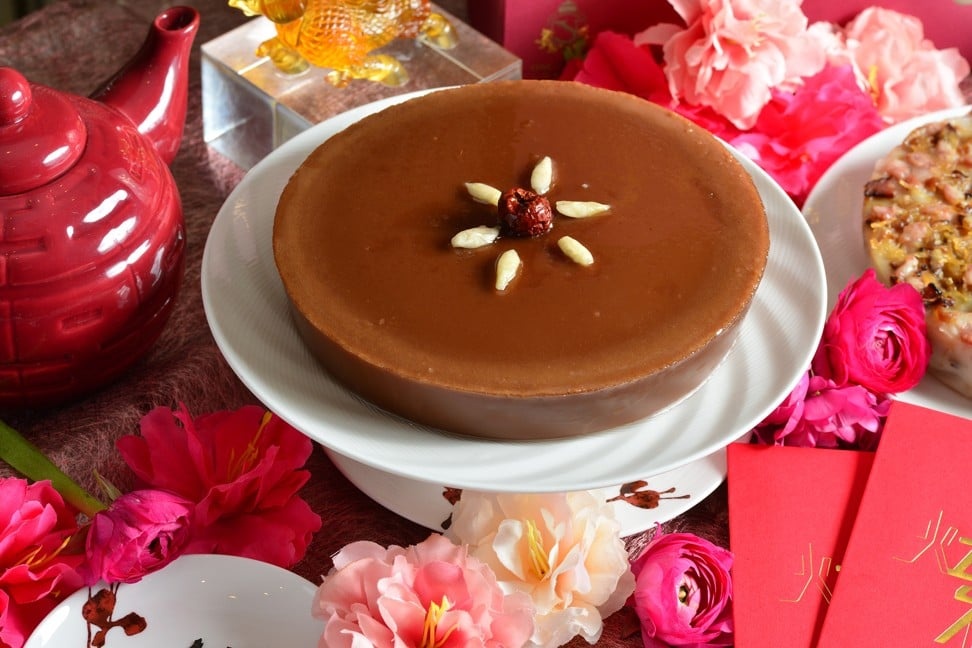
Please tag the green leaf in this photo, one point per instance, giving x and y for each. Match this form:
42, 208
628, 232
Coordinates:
28, 460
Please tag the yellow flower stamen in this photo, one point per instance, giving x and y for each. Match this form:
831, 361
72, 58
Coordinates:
238, 465
433, 616
538, 555
36, 559
872, 83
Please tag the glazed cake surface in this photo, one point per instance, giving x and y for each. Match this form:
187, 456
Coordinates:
397, 314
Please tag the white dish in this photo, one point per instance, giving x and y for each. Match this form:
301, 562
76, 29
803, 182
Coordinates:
424, 503
248, 313
220, 600
833, 211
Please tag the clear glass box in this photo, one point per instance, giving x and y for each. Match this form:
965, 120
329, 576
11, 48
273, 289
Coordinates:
250, 107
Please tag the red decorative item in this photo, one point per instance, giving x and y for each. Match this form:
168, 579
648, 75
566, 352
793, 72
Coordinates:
92, 240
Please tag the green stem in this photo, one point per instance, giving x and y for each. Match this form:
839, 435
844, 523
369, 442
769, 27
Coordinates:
28, 460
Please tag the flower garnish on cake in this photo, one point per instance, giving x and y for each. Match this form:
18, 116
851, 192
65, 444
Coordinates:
526, 213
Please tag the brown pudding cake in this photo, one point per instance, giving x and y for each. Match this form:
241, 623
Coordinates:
668, 241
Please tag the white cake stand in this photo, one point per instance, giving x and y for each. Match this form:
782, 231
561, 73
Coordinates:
249, 316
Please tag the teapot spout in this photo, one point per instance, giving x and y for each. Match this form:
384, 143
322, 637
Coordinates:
152, 88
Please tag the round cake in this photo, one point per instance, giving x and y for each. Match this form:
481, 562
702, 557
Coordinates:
521, 260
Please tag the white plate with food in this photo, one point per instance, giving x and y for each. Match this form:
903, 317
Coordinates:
249, 315
834, 212
197, 601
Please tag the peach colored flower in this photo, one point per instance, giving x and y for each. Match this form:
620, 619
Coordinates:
564, 550
430, 594
733, 53
241, 469
903, 70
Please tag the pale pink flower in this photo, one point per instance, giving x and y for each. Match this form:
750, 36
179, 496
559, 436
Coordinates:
903, 70
430, 594
563, 550
139, 533
820, 413
242, 470
734, 52
800, 134
683, 592
37, 566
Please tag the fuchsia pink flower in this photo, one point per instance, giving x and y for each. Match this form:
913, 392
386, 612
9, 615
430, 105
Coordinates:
683, 592
140, 532
875, 337
432, 594
242, 470
820, 413
800, 134
38, 566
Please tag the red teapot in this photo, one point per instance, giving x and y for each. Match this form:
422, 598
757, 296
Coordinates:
92, 238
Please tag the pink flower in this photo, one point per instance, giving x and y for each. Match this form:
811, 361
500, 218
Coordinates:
734, 52
905, 73
242, 469
430, 594
819, 413
800, 134
563, 549
37, 565
614, 62
875, 337
683, 592
139, 533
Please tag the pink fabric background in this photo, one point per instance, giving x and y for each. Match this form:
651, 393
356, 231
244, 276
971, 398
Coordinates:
72, 45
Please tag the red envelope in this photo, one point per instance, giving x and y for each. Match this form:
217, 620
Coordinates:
790, 516
906, 579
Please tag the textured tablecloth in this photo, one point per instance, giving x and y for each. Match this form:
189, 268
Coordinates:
73, 45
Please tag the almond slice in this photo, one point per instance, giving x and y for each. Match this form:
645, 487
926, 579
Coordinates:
483, 193
475, 237
542, 176
580, 208
575, 250
507, 265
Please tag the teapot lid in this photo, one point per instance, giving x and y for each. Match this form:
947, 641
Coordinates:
41, 134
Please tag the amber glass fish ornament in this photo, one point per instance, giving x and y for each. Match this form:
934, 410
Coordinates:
342, 35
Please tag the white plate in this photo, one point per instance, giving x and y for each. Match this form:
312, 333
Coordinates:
427, 504
250, 320
221, 600
833, 210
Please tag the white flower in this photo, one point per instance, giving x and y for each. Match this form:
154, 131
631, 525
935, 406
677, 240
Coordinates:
564, 550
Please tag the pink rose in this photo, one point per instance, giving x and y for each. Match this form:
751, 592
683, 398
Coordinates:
140, 532
903, 70
37, 567
683, 592
875, 337
819, 413
800, 134
734, 52
430, 594
242, 469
